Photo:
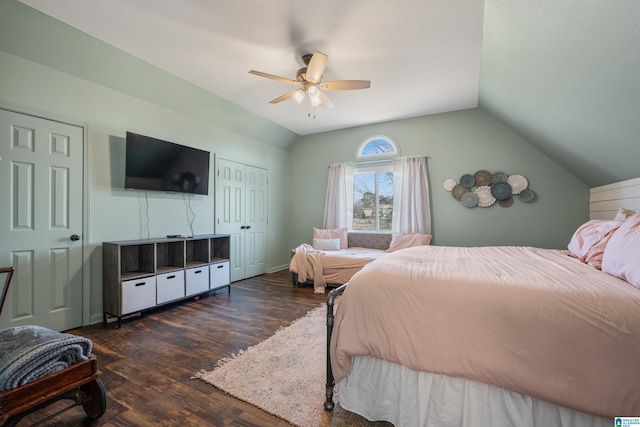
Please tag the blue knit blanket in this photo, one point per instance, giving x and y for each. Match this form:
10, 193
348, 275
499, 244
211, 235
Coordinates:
31, 352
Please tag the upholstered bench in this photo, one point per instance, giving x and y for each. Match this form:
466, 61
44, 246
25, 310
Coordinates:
368, 240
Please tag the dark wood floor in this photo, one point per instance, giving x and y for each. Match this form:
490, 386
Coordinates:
147, 364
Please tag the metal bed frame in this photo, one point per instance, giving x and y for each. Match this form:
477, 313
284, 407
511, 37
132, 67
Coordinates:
329, 404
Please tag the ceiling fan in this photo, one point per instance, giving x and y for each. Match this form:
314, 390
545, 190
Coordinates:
309, 79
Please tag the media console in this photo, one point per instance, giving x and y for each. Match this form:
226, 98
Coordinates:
140, 275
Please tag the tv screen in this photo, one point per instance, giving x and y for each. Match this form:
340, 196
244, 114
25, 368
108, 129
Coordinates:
153, 164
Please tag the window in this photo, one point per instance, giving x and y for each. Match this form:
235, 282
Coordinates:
377, 146
372, 199
373, 185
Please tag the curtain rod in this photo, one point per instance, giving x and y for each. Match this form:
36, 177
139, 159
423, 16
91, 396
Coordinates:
373, 162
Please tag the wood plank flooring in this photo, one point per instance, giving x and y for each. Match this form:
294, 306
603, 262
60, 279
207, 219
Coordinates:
147, 364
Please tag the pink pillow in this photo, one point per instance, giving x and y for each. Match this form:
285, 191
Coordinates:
587, 242
339, 233
622, 254
406, 240
595, 254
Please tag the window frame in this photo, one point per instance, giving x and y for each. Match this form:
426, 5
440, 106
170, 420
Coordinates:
372, 169
360, 156
374, 163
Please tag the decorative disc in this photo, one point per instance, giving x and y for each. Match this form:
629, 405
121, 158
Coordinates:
449, 184
500, 190
469, 199
467, 181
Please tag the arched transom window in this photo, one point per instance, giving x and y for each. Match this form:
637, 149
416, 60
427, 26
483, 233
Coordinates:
377, 146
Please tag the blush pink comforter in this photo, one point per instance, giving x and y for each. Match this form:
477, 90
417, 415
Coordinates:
530, 320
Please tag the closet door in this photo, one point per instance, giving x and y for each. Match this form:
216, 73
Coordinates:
255, 255
241, 212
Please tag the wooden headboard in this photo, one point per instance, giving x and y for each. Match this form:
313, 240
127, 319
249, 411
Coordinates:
605, 200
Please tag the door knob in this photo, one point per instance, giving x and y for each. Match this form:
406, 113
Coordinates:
75, 237
248, 227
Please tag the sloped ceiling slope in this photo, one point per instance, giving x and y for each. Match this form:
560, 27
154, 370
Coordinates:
421, 56
565, 75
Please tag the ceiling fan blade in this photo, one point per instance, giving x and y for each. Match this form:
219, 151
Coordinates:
345, 85
315, 69
283, 97
272, 77
325, 101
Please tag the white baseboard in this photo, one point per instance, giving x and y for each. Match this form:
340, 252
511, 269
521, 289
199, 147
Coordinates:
278, 268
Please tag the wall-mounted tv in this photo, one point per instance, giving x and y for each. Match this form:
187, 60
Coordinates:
154, 164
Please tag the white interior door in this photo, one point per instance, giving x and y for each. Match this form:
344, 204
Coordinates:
241, 212
41, 179
256, 180
229, 212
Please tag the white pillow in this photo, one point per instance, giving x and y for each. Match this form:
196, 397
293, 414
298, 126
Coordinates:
623, 214
327, 244
341, 233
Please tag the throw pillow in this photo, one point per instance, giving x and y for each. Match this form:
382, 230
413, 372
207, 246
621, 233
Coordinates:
327, 244
407, 240
340, 233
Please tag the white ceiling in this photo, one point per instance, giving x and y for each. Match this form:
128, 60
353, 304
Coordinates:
561, 74
421, 56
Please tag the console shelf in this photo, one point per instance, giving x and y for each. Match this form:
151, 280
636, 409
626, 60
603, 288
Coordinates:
140, 275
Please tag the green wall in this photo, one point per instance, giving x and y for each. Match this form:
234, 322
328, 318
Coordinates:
118, 214
458, 143
52, 70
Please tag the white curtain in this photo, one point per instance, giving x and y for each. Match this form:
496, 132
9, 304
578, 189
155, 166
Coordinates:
411, 210
338, 207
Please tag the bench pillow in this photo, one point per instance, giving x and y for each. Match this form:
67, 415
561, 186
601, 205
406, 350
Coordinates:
326, 244
340, 233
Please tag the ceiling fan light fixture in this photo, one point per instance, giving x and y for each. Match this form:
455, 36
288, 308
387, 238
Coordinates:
298, 96
314, 95
309, 81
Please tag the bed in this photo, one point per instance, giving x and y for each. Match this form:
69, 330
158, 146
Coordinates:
499, 336
339, 254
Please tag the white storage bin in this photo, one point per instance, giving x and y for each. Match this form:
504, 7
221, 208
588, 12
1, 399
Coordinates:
197, 280
138, 294
170, 286
219, 273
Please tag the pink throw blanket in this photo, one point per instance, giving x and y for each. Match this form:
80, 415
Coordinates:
307, 262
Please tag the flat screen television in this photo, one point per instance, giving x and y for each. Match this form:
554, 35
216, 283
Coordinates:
154, 164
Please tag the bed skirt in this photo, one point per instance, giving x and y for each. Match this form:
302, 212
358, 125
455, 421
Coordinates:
383, 391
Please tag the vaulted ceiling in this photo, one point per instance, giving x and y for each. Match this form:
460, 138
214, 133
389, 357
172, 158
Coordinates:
565, 75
